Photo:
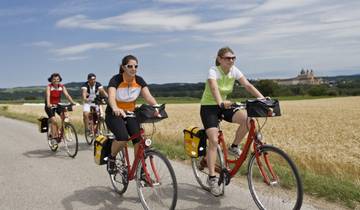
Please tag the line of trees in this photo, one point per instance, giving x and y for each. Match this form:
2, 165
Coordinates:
348, 87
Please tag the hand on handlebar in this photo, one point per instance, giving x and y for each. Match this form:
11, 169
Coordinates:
226, 104
119, 112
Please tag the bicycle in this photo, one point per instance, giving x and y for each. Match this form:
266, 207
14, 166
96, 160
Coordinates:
96, 124
156, 185
67, 132
273, 179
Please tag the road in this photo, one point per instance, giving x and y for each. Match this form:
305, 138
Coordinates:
33, 177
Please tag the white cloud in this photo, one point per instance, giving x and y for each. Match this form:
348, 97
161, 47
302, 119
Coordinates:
133, 47
77, 49
71, 58
276, 5
140, 20
223, 24
42, 44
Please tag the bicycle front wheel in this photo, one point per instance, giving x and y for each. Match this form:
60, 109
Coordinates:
119, 180
274, 180
70, 140
156, 186
201, 171
89, 133
51, 142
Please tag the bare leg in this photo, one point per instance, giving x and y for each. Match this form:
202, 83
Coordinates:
241, 119
86, 120
212, 134
54, 127
117, 146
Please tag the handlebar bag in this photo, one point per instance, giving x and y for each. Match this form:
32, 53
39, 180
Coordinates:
147, 113
263, 108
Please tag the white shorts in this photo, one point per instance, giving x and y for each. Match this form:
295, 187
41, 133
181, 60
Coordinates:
86, 107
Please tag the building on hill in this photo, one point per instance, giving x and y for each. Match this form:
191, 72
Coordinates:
306, 77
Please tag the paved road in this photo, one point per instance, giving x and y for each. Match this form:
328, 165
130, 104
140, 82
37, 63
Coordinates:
33, 177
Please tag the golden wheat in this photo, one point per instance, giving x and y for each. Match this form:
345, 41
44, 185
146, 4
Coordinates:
320, 135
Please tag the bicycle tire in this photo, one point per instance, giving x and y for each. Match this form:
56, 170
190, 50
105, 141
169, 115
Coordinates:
102, 129
70, 140
49, 139
89, 136
201, 171
119, 180
275, 195
163, 192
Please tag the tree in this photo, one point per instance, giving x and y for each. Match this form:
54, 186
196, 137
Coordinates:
267, 87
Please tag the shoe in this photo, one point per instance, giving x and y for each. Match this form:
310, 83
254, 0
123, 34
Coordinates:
53, 143
214, 186
236, 151
111, 165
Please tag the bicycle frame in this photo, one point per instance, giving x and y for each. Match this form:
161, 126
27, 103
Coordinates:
256, 143
139, 158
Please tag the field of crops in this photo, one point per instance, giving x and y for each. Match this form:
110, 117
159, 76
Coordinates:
321, 135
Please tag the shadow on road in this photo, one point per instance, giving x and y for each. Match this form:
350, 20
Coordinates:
60, 153
95, 196
199, 198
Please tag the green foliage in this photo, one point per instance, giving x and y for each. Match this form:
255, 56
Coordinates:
267, 87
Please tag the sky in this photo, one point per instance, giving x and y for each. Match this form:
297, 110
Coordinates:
175, 40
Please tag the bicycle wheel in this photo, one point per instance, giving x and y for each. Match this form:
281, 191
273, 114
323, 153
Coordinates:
89, 133
102, 129
119, 180
52, 145
201, 170
70, 140
156, 186
284, 188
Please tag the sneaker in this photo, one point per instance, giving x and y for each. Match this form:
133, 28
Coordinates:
111, 165
214, 186
53, 143
236, 151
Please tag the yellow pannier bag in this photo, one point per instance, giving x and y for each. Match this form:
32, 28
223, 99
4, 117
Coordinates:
102, 149
194, 141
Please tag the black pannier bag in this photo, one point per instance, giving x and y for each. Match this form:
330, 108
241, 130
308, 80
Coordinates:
263, 108
147, 113
43, 124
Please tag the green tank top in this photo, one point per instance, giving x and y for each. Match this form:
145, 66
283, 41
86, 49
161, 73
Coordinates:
225, 85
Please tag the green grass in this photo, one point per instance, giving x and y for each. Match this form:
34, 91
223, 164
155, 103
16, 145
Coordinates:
330, 188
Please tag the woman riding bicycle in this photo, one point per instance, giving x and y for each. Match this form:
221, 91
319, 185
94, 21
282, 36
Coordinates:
219, 85
123, 90
53, 94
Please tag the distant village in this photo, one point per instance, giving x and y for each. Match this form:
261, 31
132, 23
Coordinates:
306, 77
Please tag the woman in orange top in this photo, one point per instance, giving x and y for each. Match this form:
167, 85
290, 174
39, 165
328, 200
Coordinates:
123, 90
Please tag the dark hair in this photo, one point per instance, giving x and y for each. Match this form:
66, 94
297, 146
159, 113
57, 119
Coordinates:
222, 51
54, 75
91, 75
125, 61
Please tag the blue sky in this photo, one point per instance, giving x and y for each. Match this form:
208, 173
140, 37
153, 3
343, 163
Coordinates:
175, 40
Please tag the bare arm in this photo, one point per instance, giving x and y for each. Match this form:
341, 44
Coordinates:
145, 92
250, 88
112, 103
103, 92
67, 95
84, 94
47, 95
215, 91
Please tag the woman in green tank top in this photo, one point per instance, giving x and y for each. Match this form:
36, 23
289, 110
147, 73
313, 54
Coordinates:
214, 104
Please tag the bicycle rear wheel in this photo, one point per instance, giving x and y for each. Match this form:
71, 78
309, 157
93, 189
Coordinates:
51, 142
201, 171
119, 180
283, 190
70, 140
156, 186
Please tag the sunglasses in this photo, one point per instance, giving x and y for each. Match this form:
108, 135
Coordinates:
128, 66
229, 58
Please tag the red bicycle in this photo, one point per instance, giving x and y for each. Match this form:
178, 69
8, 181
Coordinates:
273, 179
155, 178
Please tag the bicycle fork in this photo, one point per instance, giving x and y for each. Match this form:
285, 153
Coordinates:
265, 172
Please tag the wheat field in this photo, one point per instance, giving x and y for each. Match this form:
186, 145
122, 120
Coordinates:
320, 135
